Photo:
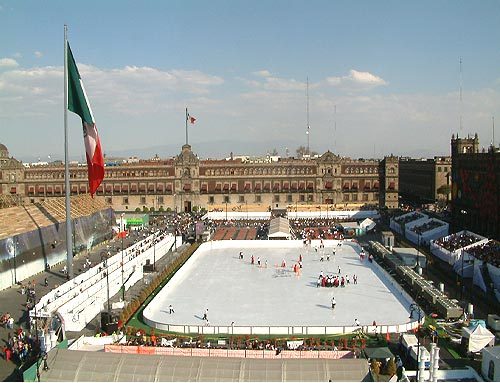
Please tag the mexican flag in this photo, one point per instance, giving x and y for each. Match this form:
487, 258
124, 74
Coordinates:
78, 103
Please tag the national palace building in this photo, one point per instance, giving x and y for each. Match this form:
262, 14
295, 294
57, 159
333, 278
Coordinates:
185, 182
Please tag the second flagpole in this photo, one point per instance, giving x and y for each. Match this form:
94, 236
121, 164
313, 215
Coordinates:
186, 125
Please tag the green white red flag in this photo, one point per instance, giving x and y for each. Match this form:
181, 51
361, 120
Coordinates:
78, 103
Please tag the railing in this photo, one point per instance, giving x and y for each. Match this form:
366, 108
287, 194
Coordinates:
228, 353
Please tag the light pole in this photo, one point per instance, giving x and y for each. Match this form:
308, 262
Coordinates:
414, 307
418, 251
122, 231
464, 214
15, 266
154, 250
226, 210
104, 261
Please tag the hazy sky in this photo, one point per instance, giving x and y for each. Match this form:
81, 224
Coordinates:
391, 68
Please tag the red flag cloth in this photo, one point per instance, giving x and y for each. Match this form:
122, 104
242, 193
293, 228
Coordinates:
191, 119
78, 103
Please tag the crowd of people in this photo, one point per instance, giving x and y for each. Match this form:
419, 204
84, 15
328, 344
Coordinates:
404, 219
20, 346
308, 228
457, 241
427, 226
488, 252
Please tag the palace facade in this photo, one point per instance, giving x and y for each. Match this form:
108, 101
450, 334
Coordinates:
185, 182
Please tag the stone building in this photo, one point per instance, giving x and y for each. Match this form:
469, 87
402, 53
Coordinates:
424, 180
185, 182
476, 187
389, 182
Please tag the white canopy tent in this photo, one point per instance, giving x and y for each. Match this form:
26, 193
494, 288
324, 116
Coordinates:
279, 228
367, 224
478, 337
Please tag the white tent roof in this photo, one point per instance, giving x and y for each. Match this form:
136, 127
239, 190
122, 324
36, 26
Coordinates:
279, 228
479, 337
367, 224
77, 366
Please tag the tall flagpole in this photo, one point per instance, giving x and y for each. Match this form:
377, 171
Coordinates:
186, 125
69, 245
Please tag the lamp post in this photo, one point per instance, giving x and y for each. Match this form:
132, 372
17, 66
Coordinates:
15, 266
154, 250
414, 307
226, 209
104, 261
122, 231
418, 251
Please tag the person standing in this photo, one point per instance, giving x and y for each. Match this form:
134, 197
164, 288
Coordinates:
334, 302
171, 309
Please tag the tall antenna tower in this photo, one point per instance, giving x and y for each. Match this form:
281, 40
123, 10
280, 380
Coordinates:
307, 110
493, 132
461, 103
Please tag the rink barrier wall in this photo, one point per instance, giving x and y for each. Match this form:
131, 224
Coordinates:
273, 330
227, 353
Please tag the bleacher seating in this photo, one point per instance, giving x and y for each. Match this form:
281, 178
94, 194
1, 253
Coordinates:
252, 233
404, 219
488, 252
22, 219
457, 241
427, 226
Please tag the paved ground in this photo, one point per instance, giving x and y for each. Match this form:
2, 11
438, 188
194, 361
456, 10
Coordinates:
14, 302
274, 296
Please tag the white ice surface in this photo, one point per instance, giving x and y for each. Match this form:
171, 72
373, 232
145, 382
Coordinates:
234, 290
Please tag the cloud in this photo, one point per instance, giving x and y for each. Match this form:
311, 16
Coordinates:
356, 79
17, 55
8, 63
38, 54
262, 73
128, 90
272, 83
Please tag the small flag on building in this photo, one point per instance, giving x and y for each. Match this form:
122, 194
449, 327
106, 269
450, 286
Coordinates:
191, 119
78, 103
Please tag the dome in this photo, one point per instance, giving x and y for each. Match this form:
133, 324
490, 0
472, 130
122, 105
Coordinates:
4, 152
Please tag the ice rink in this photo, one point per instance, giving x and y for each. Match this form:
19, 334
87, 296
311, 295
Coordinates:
234, 290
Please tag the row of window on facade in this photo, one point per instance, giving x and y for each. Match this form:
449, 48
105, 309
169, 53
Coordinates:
205, 187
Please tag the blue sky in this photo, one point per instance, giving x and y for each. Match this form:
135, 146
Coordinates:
390, 68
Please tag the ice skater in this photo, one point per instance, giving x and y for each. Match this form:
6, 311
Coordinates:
171, 309
338, 272
252, 260
258, 261
241, 254
334, 302
205, 315
328, 257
